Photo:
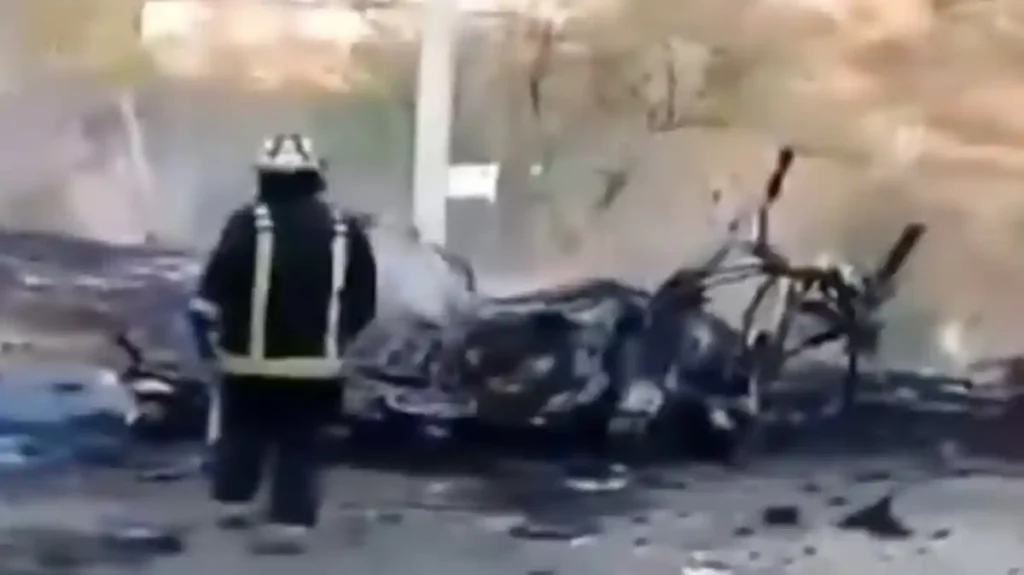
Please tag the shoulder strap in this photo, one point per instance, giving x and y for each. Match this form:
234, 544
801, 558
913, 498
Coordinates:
263, 266
339, 265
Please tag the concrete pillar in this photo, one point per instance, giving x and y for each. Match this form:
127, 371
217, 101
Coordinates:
433, 119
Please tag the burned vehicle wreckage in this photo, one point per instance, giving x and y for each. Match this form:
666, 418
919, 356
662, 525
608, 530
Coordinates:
598, 366
608, 366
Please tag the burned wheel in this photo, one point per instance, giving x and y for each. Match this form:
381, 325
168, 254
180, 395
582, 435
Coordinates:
629, 436
149, 420
152, 412
693, 429
161, 417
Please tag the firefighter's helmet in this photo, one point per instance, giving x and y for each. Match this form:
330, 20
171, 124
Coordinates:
288, 153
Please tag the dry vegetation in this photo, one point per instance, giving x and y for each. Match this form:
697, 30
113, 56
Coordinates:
902, 108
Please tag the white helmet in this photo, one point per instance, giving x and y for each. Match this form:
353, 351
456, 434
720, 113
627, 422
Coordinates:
288, 153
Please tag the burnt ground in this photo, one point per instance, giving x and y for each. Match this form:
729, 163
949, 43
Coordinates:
385, 523
797, 508
805, 501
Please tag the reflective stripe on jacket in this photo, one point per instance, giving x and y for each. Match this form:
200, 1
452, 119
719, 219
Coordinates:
256, 361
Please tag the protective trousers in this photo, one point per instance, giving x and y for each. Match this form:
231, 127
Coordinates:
273, 426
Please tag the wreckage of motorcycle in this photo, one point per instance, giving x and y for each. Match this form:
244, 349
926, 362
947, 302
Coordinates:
604, 365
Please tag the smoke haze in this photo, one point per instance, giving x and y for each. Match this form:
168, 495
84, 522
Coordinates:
901, 110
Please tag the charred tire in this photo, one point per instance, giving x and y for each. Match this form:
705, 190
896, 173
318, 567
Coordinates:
392, 428
590, 425
685, 428
152, 419
168, 418
682, 429
630, 438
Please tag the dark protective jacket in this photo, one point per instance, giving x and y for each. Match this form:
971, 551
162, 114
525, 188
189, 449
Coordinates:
289, 283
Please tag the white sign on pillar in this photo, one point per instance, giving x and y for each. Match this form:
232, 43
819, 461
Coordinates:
473, 181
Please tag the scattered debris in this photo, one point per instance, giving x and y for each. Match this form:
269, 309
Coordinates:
500, 523
169, 474
535, 530
652, 480
45, 550
707, 567
872, 476
139, 537
63, 553
837, 501
781, 515
596, 477
582, 541
391, 517
67, 387
438, 487
40, 551
810, 487
743, 531
615, 182
270, 546
877, 520
963, 472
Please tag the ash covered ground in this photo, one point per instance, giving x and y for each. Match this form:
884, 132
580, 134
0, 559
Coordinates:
887, 490
777, 516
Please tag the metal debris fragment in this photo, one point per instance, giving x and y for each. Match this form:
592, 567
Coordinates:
743, 531
541, 530
141, 537
877, 520
781, 515
615, 182
810, 487
707, 567
659, 480
837, 501
597, 477
170, 473
872, 476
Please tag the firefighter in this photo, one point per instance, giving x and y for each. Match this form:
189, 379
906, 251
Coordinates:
290, 281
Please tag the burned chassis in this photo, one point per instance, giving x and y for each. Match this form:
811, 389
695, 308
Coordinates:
605, 366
